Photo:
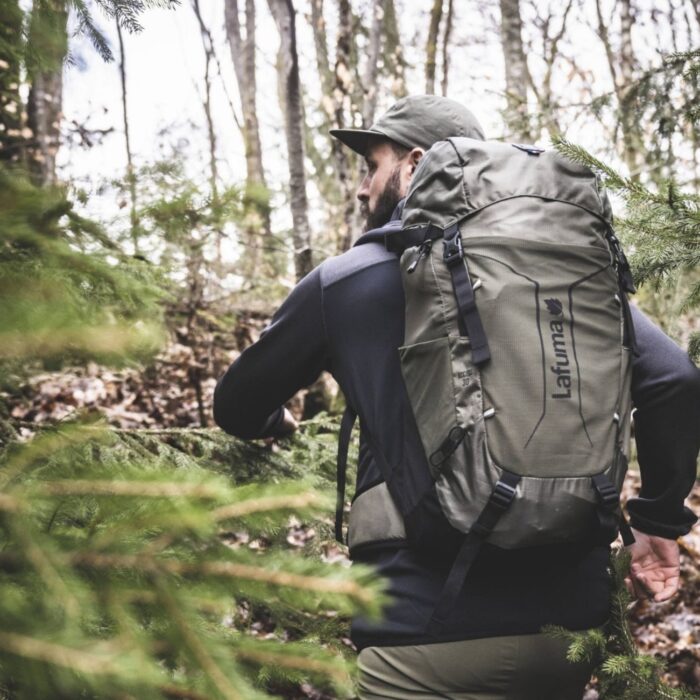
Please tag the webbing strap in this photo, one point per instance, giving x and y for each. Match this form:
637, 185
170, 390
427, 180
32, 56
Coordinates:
626, 531
610, 515
499, 501
469, 319
398, 240
630, 339
343, 446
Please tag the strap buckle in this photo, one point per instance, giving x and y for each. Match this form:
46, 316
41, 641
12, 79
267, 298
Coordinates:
503, 495
607, 493
453, 251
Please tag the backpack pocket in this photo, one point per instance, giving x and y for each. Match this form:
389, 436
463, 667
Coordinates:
444, 390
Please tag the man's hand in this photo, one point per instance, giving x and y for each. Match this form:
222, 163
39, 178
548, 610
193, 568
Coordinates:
654, 568
286, 427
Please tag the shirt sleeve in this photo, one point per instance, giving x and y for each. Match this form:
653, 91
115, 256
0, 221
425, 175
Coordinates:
290, 354
666, 395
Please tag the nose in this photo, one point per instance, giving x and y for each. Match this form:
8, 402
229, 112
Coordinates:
363, 190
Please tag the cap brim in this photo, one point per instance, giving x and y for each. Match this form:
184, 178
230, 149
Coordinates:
357, 139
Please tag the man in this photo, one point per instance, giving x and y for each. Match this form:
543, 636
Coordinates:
347, 317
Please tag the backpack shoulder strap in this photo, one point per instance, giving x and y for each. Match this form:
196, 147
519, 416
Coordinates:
346, 425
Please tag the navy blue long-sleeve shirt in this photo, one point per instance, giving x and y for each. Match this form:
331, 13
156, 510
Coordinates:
347, 317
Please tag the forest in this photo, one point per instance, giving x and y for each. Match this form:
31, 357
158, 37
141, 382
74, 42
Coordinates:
167, 177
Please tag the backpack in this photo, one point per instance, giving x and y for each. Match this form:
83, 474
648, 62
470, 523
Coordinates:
516, 358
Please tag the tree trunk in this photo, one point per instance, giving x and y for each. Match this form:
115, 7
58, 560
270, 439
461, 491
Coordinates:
431, 46
622, 72
517, 117
207, 43
393, 51
344, 89
47, 30
130, 176
628, 117
288, 62
370, 74
257, 226
445, 46
343, 98
12, 140
545, 95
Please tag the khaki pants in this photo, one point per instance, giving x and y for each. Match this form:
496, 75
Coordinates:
519, 667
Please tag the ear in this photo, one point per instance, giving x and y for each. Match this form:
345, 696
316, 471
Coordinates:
409, 167
414, 157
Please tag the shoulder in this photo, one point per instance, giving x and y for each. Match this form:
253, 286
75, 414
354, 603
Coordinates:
353, 262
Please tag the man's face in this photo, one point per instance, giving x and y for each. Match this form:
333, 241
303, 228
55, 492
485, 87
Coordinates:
385, 183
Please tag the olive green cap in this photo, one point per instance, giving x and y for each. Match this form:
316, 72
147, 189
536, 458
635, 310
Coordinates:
417, 120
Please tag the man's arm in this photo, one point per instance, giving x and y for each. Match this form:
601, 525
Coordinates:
290, 354
666, 393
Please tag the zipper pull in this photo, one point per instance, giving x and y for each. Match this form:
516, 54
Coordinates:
424, 249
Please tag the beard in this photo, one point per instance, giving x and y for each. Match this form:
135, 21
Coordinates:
386, 202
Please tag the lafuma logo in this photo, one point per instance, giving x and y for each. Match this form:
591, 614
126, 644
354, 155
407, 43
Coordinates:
561, 367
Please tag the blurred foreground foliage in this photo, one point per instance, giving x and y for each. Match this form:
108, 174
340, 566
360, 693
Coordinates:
67, 292
120, 572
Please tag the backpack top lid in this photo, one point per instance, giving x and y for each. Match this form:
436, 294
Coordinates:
460, 176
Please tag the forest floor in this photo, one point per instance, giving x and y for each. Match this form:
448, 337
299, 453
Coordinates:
165, 395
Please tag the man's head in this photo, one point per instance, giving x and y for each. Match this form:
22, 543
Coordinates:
395, 143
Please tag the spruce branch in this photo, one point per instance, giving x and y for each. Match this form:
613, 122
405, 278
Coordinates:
195, 644
227, 569
622, 672
78, 660
661, 228
268, 503
286, 657
610, 178
140, 489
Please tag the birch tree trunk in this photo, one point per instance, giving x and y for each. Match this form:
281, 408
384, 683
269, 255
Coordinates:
288, 62
257, 226
11, 106
517, 117
47, 29
431, 46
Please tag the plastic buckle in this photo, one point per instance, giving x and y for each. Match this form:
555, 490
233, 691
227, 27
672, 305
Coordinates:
608, 494
503, 495
453, 251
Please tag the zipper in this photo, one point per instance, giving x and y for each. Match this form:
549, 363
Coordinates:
423, 250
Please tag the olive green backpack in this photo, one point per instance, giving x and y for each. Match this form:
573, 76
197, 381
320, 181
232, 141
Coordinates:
517, 351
